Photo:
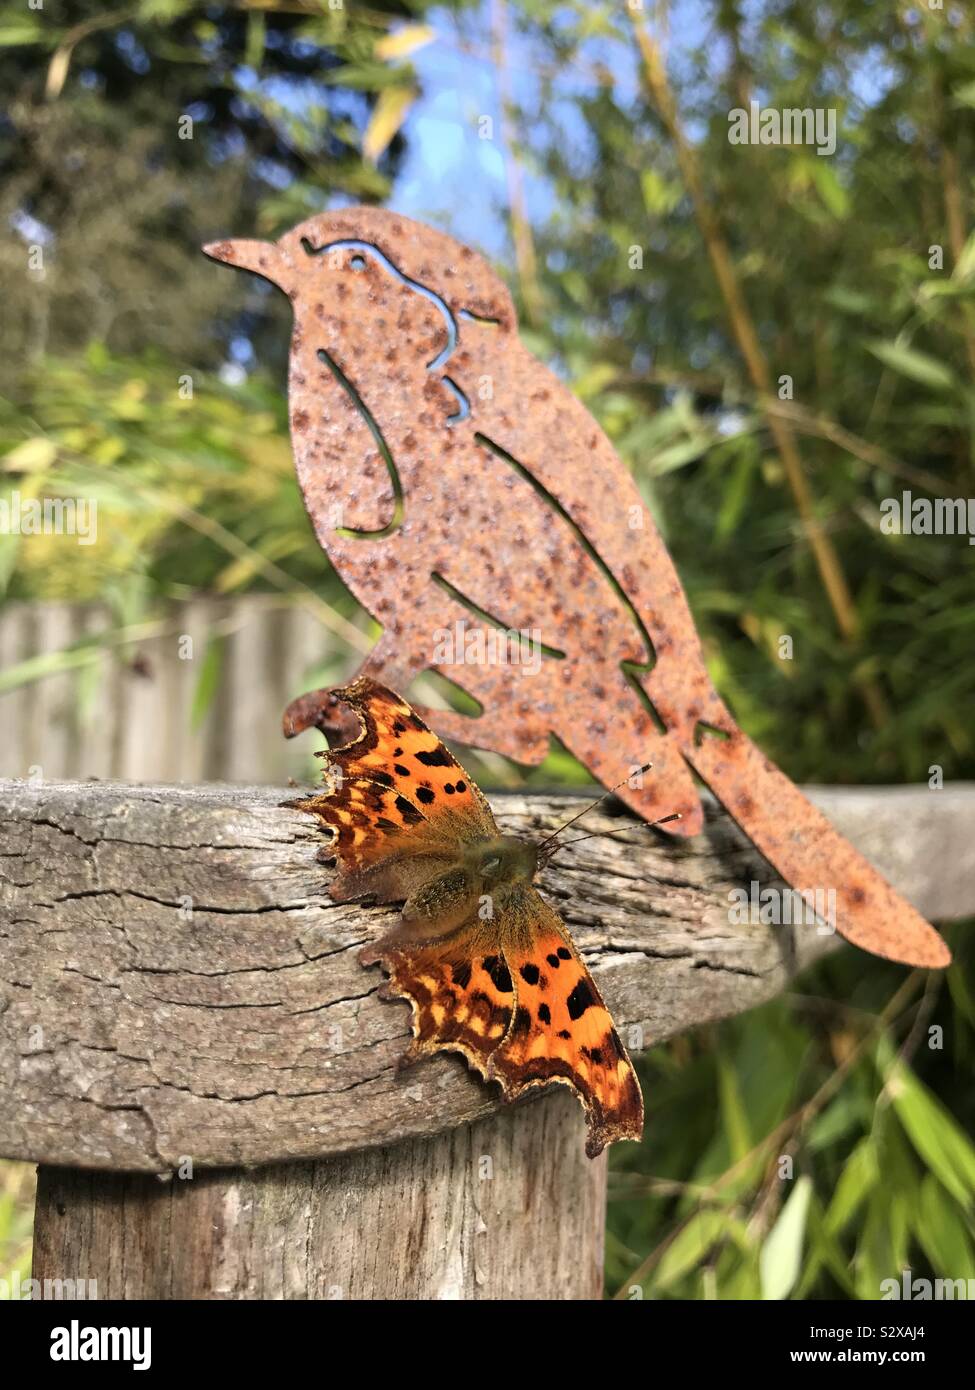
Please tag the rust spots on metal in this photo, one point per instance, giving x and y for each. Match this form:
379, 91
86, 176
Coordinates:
465, 496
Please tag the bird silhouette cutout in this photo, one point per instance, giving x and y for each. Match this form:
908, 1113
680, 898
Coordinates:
477, 511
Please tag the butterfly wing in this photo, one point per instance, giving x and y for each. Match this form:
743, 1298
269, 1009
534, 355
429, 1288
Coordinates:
461, 994
398, 803
524, 1012
561, 1030
510, 993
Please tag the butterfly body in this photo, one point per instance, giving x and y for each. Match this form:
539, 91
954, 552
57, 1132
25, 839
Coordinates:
485, 962
487, 874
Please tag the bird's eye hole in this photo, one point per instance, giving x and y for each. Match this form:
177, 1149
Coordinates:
358, 262
490, 865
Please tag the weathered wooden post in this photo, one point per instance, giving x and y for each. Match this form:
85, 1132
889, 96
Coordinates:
204, 1074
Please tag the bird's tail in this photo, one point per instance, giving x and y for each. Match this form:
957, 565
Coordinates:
811, 855
840, 887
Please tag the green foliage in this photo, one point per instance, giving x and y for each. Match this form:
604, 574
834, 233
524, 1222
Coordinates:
131, 136
16, 1207
158, 449
196, 491
837, 263
813, 1148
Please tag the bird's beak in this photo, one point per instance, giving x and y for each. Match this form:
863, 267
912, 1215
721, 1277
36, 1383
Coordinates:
259, 257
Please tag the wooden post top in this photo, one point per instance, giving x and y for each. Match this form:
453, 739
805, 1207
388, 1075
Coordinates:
176, 985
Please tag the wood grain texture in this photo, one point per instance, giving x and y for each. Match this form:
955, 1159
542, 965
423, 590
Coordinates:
507, 1207
175, 981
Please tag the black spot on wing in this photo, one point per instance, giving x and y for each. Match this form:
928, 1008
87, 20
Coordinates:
563, 953
544, 1014
500, 975
408, 811
529, 973
400, 770
436, 757
579, 1000
553, 961
425, 795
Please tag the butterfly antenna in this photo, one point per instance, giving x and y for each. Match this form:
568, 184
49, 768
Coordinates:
604, 834
635, 773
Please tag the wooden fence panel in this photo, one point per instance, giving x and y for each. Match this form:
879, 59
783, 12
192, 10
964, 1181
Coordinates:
128, 712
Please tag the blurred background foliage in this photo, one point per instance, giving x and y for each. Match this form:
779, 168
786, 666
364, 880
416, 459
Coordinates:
775, 341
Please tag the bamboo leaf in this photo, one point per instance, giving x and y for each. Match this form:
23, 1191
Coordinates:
916, 365
405, 41
690, 1247
781, 1256
940, 1228
857, 1180
936, 1136
733, 1113
208, 681
389, 113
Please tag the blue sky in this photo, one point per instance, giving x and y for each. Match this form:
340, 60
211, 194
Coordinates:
453, 176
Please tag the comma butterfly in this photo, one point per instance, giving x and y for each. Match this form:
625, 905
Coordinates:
486, 963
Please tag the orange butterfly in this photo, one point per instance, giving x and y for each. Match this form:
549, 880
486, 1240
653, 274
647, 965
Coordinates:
485, 962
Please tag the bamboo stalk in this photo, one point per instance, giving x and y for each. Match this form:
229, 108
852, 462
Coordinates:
952, 196
521, 233
955, 218
827, 560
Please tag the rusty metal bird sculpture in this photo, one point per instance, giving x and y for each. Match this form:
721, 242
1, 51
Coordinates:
461, 491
